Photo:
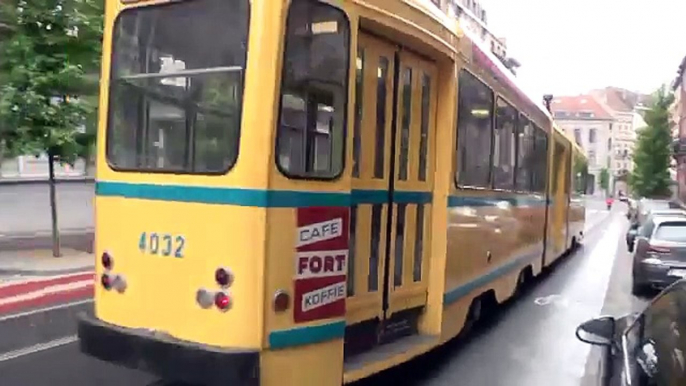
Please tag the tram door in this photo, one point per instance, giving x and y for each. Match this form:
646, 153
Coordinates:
393, 166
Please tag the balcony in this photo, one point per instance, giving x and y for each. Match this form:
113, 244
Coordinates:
621, 175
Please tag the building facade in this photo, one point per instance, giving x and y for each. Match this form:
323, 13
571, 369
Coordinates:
585, 119
624, 106
678, 111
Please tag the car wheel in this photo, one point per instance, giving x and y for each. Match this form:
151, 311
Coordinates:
638, 289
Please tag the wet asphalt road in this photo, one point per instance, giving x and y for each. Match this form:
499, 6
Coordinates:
529, 342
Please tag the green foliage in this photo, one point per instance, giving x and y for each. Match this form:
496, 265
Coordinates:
580, 174
652, 155
604, 179
47, 62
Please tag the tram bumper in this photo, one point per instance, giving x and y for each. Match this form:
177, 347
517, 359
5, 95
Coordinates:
167, 357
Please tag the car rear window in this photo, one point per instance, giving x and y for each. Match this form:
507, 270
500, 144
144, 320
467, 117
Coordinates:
656, 205
675, 232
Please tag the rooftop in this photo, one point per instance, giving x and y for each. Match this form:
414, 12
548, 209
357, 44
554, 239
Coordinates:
619, 99
579, 107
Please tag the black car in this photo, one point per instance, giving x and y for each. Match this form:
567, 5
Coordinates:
645, 349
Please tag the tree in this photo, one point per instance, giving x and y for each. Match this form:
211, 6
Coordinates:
580, 174
52, 48
604, 179
650, 177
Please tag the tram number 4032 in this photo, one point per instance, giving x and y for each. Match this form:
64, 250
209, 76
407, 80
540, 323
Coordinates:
162, 244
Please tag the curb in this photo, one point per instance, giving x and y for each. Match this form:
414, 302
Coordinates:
35, 181
46, 233
48, 273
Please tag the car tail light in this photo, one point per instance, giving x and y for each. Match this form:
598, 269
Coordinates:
106, 260
222, 301
223, 277
658, 250
106, 281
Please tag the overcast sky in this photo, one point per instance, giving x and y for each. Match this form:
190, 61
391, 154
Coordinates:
570, 46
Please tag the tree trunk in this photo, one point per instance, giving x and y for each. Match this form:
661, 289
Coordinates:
53, 206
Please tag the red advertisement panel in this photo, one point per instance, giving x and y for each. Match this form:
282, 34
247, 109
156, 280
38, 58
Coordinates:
321, 263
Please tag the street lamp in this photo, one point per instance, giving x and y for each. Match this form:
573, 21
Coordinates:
547, 99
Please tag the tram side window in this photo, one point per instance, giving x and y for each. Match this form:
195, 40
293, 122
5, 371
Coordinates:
525, 155
311, 131
176, 98
474, 127
505, 145
541, 160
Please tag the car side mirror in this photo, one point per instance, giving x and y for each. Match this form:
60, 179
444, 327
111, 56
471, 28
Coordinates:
598, 331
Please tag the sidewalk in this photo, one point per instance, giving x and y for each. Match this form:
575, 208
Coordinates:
44, 180
42, 263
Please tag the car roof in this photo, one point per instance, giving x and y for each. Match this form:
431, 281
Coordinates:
663, 219
666, 212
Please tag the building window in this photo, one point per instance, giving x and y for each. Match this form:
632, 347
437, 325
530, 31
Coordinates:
591, 136
577, 136
591, 157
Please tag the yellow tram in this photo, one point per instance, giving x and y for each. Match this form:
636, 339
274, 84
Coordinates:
308, 192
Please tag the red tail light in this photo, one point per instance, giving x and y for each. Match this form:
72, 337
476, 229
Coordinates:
106, 260
655, 249
222, 301
106, 281
224, 277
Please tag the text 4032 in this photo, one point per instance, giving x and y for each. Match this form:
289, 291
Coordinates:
162, 244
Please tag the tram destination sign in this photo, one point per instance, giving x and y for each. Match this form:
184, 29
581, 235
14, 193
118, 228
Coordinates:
321, 263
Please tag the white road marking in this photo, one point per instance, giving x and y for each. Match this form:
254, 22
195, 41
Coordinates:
38, 348
46, 291
46, 309
35, 279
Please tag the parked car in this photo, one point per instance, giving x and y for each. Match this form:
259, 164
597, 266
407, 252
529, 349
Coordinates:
634, 227
660, 253
646, 205
623, 197
642, 349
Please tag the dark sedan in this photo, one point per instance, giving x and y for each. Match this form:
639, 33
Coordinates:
633, 228
646, 349
660, 253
